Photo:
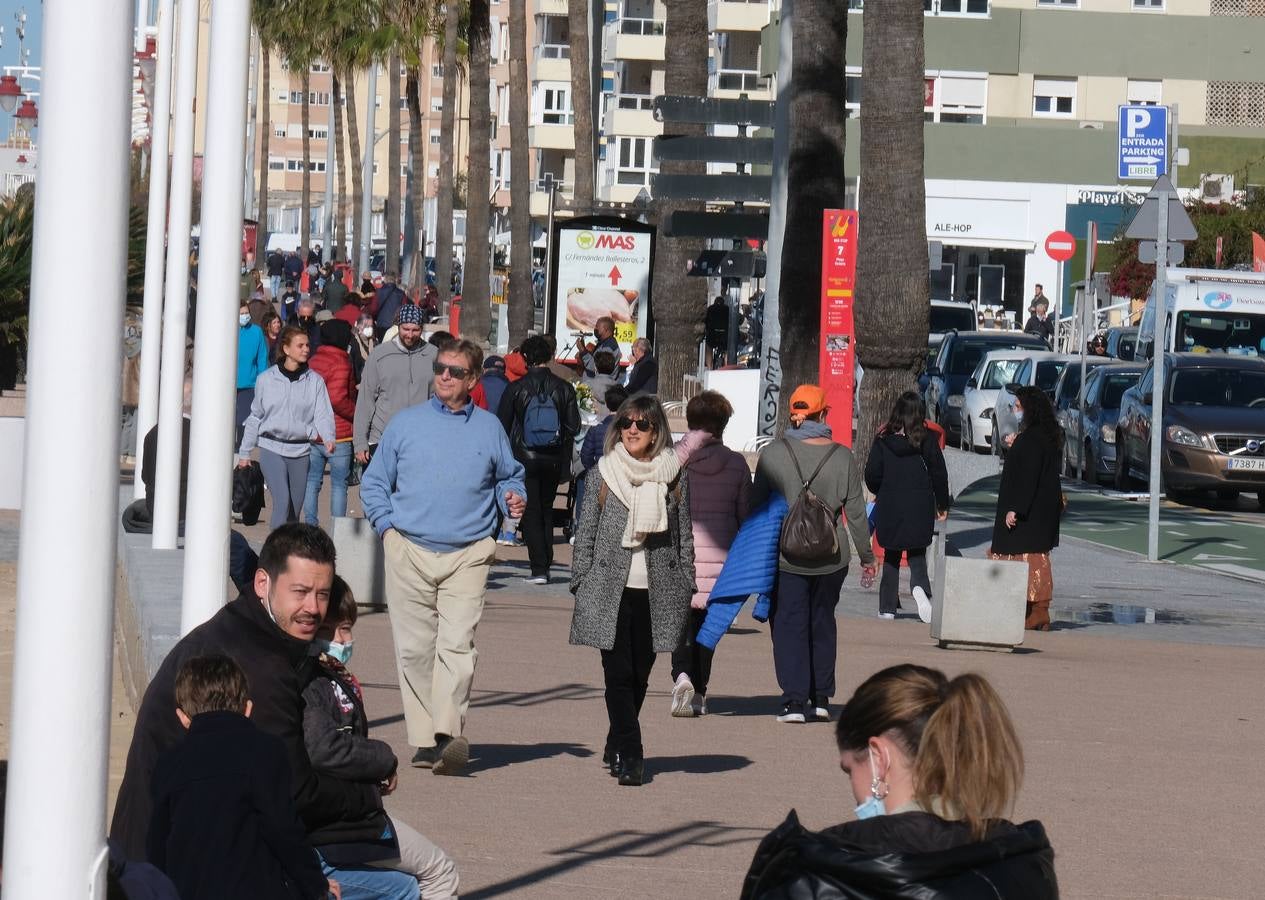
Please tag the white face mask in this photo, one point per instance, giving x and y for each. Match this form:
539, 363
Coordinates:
243, 319
874, 805
367, 331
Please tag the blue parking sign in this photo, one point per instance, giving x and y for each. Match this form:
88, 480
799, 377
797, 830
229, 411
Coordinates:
1143, 143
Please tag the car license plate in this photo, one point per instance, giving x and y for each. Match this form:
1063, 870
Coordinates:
1250, 464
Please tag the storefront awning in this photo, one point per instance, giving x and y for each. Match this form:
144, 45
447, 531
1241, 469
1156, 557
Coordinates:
996, 243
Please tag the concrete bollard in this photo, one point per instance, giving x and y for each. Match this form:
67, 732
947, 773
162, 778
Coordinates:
979, 603
360, 560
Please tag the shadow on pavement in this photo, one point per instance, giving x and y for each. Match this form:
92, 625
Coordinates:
701, 764
535, 698
486, 757
761, 705
623, 844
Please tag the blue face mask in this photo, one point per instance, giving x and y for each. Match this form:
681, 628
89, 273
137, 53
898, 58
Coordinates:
874, 806
1018, 416
334, 649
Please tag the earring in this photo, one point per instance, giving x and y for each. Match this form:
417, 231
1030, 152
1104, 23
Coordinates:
878, 784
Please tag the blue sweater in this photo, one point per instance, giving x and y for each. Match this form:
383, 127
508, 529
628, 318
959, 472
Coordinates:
252, 355
439, 477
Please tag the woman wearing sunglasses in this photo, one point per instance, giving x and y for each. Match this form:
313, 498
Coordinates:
633, 569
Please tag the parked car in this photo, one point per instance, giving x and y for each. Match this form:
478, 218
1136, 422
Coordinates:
1122, 343
1039, 368
1067, 391
951, 315
995, 370
1213, 427
1094, 433
960, 352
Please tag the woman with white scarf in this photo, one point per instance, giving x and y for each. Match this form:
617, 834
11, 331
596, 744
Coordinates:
633, 569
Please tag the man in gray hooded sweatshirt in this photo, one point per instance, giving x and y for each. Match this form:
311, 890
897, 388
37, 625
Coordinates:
397, 374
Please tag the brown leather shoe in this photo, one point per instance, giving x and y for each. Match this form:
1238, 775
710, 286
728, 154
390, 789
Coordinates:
1038, 616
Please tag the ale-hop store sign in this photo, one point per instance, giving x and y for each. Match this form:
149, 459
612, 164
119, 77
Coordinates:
602, 267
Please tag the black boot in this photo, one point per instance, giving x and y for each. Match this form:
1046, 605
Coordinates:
618, 764
633, 772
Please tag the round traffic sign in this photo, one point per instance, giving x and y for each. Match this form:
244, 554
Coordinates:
1060, 246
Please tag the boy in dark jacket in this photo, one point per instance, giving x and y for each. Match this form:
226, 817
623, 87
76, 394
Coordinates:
336, 732
224, 822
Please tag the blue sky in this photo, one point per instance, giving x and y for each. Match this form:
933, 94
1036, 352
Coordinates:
9, 52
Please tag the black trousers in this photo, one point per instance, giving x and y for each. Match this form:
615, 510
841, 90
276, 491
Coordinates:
690, 656
805, 634
627, 668
537, 521
889, 586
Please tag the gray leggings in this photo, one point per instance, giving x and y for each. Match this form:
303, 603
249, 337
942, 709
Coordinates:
286, 477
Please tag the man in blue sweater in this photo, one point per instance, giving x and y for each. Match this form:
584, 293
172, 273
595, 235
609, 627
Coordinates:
252, 359
441, 476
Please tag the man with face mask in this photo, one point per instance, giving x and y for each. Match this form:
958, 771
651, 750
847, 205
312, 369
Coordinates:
269, 634
252, 358
305, 318
397, 374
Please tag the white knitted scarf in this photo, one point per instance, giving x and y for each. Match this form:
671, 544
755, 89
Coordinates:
642, 486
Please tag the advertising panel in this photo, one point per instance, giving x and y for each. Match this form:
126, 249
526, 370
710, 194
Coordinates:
836, 368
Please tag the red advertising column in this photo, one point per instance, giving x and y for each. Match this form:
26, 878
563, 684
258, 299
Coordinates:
838, 293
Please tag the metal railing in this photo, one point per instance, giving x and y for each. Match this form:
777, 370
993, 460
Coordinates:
551, 51
634, 101
647, 27
740, 80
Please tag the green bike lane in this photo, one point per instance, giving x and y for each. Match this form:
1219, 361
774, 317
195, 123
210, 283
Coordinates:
1229, 542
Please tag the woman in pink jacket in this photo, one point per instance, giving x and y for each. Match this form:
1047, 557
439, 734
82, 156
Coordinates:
720, 490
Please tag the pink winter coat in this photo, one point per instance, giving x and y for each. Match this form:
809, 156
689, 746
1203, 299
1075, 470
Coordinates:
720, 494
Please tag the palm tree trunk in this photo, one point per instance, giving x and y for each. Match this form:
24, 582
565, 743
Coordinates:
391, 228
815, 180
340, 160
447, 168
679, 318
582, 103
416, 185
476, 312
892, 260
264, 100
522, 308
357, 177
305, 197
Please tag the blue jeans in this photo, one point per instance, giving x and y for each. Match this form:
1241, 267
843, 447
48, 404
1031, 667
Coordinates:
274, 282
368, 883
339, 469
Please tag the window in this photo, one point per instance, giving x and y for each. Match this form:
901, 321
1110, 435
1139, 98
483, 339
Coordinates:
852, 91
377, 101
434, 135
958, 98
1054, 97
316, 165
955, 7
437, 70
375, 167
403, 101
296, 96
319, 67
1145, 93
318, 134
1149, 4
436, 104
1065, 4
404, 170
432, 170
555, 108
294, 165
634, 161
316, 98
279, 131
276, 164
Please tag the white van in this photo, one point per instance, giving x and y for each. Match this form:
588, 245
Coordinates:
1209, 311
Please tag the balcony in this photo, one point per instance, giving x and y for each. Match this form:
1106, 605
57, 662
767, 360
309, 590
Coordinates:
733, 82
544, 136
737, 15
631, 115
550, 62
630, 38
551, 8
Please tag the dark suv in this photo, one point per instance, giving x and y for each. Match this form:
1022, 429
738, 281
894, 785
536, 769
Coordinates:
960, 352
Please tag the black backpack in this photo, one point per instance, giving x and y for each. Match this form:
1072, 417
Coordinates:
248, 492
808, 531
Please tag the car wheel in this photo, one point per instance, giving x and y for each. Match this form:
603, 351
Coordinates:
965, 444
1260, 500
1228, 495
1090, 473
1122, 480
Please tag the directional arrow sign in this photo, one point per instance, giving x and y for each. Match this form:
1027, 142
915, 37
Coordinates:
614, 276
1213, 557
1146, 224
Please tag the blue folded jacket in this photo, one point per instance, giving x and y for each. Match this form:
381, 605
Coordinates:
750, 570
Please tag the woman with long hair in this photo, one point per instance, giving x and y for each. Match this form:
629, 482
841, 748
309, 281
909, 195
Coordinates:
291, 410
1030, 501
271, 324
906, 473
633, 569
935, 766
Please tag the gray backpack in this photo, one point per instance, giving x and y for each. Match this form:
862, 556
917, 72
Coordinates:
808, 531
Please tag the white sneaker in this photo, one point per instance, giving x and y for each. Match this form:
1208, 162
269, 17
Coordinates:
924, 604
682, 697
536, 579
887, 615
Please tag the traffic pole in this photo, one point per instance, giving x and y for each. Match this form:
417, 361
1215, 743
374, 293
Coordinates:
155, 244
215, 355
59, 726
1089, 318
176, 306
1157, 382
366, 173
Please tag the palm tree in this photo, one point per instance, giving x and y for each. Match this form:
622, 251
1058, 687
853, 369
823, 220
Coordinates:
892, 323
340, 154
447, 137
581, 103
522, 308
679, 319
357, 177
391, 214
305, 192
415, 184
476, 311
815, 178
264, 19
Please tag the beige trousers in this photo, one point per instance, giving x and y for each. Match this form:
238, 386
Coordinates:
435, 871
435, 601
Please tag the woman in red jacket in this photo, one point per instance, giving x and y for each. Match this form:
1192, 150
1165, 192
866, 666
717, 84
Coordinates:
332, 363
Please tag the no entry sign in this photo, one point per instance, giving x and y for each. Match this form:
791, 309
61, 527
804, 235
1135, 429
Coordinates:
1060, 246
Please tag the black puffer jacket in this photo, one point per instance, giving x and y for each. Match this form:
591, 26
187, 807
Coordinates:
1030, 488
908, 856
911, 484
513, 406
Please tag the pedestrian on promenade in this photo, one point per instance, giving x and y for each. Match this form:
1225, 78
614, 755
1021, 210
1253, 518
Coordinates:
397, 375
633, 569
592, 448
224, 823
720, 497
290, 411
336, 734
436, 522
271, 326
491, 387
1030, 501
607, 366
556, 366
540, 414
604, 331
252, 359
805, 636
935, 766
276, 270
906, 472
305, 318
334, 367
390, 299
643, 374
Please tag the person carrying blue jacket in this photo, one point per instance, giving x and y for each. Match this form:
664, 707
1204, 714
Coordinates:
252, 359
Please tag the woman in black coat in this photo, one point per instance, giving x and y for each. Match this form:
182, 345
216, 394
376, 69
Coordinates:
1030, 502
905, 471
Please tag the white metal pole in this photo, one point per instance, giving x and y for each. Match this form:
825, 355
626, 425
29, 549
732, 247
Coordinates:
327, 222
366, 174
155, 239
60, 719
215, 356
176, 307
142, 22
1157, 382
252, 82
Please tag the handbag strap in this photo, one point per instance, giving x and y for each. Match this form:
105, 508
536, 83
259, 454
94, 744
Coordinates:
800, 472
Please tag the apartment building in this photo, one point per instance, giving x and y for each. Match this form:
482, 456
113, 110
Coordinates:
1021, 105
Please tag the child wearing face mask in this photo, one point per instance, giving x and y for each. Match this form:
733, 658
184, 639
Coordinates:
336, 734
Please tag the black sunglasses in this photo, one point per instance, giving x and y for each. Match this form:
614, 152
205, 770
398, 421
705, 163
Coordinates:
459, 372
625, 423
